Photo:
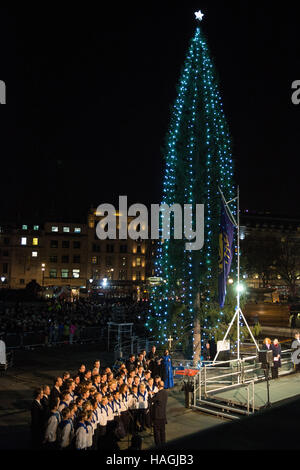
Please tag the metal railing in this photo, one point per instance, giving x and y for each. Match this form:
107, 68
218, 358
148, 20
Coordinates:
133, 346
35, 339
213, 378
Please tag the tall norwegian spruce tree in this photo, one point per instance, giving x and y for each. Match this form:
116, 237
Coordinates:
198, 159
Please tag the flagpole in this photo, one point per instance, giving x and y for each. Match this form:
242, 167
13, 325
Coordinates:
238, 262
238, 311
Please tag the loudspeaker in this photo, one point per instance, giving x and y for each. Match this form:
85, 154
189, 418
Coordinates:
224, 356
265, 357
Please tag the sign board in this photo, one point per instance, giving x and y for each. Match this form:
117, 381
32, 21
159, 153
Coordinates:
223, 345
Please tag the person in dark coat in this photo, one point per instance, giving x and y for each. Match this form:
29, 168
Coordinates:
55, 391
159, 414
207, 356
45, 401
152, 357
276, 348
37, 419
131, 363
267, 343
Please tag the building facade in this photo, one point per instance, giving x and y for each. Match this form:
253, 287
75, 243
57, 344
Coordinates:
264, 227
58, 254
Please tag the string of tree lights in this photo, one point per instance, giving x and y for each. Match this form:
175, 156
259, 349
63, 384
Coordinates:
198, 159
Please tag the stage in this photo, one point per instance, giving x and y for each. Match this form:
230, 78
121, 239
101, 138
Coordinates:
281, 389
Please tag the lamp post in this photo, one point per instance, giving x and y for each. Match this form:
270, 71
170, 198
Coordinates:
43, 273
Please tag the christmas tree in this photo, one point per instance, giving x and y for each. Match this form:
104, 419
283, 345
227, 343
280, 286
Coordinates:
198, 160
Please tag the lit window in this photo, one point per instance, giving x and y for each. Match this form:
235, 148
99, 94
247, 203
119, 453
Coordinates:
94, 259
66, 229
138, 261
54, 229
77, 230
64, 273
76, 273
24, 241
34, 254
24, 227
35, 241
36, 227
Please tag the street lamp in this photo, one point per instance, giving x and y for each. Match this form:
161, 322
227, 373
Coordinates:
240, 288
43, 271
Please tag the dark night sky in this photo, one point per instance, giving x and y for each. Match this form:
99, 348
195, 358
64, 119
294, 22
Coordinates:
89, 93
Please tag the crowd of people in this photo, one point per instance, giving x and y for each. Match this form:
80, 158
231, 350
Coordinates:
97, 407
62, 320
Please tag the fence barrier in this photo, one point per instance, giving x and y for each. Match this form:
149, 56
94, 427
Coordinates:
34, 339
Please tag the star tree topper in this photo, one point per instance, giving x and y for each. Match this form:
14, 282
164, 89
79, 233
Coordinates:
199, 15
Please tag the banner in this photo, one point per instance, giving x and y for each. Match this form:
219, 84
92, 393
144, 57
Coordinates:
225, 252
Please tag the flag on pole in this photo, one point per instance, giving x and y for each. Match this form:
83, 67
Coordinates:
225, 252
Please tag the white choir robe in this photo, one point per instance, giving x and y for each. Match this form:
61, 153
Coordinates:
117, 405
51, 429
89, 437
111, 415
2, 352
67, 435
81, 438
95, 419
143, 400
103, 418
124, 403
133, 402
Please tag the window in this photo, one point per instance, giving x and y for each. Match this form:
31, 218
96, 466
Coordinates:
64, 273
77, 230
65, 259
53, 273
76, 259
138, 261
5, 268
108, 261
76, 244
24, 241
123, 248
76, 273
53, 243
5, 253
22, 281
6, 241
36, 227
35, 241
65, 244
54, 229
34, 254
138, 275
94, 259
139, 249
109, 248
96, 248
66, 229
124, 261
24, 227
122, 275
53, 259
